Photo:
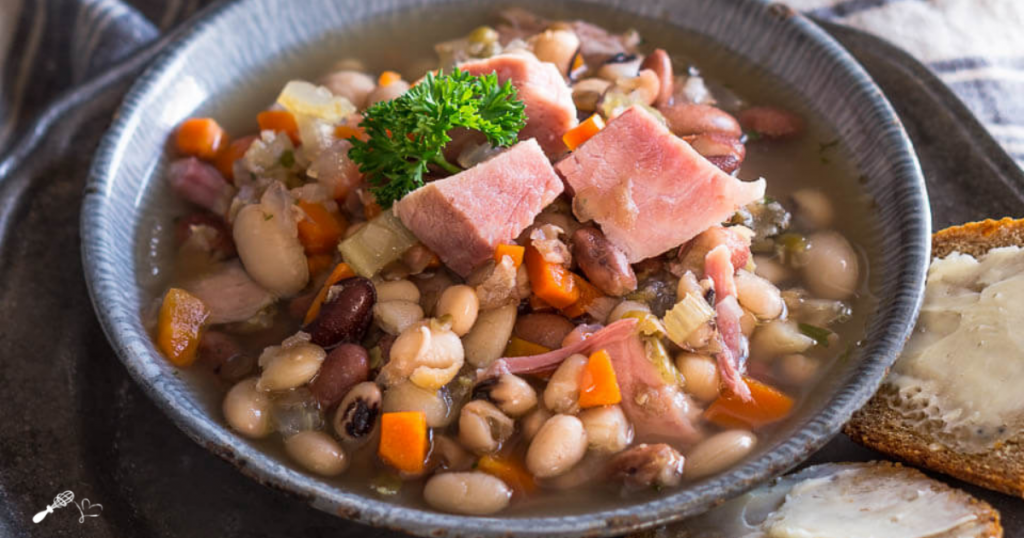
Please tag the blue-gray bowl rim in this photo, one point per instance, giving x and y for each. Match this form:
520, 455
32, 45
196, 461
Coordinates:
117, 317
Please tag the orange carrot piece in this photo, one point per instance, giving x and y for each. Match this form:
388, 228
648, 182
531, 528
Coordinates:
598, 384
510, 471
339, 273
767, 405
551, 282
318, 263
512, 251
180, 324
403, 440
320, 230
345, 132
588, 294
388, 78
576, 136
517, 347
225, 160
280, 121
200, 137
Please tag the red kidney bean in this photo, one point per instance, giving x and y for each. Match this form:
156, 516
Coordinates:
659, 62
772, 122
690, 119
605, 265
346, 316
222, 243
225, 356
547, 330
345, 366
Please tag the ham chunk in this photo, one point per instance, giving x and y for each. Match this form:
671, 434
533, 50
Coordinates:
550, 111
648, 189
464, 217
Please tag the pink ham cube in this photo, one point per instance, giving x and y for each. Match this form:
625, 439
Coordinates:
550, 111
647, 188
464, 217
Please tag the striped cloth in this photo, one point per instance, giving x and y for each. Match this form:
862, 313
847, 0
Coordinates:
975, 46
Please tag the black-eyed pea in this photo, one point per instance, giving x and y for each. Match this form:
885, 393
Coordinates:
483, 428
357, 415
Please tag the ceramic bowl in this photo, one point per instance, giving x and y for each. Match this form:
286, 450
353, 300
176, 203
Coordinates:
236, 58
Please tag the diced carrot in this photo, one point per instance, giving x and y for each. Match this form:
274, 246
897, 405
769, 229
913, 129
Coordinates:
339, 273
371, 210
388, 78
180, 325
510, 471
598, 384
201, 137
550, 281
588, 294
225, 160
320, 229
766, 406
576, 136
280, 121
318, 263
403, 440
517, 347
345, 132
512, 251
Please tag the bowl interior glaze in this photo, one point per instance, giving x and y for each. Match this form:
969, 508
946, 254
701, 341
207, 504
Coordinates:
234, 61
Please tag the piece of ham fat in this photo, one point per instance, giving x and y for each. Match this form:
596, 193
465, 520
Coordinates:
463, 218
656, 409
718, 267
647, 188
550, 110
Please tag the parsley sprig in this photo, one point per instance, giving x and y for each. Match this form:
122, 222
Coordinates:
407, 134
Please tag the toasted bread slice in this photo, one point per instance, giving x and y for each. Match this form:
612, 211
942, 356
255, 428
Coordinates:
883, 427
851, 500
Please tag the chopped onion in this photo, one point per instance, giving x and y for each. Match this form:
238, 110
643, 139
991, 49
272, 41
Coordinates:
306, 99
382, 241
686, 316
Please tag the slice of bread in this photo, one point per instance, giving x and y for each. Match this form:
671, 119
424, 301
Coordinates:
881, 426
852, 500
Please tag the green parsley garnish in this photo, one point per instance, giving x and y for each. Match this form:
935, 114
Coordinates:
819, 334
407, 134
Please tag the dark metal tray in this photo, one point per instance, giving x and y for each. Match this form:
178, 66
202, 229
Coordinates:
74, 420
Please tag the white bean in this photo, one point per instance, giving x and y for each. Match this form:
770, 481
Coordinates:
317, 452
777, 338
813, 207
511, 393
483, 427
352, 85
397, 290
560, 444
474, 493
387, 93
614, 71
771, 270
758, 295
562, 395
290, 366
718, 452
607, 428
393, 317
267, 240
533, 422
556, 46
831, 269
247, 410
427, 354
486, 341
462, 304
587, 93
798, 368
409, 397
700, 374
